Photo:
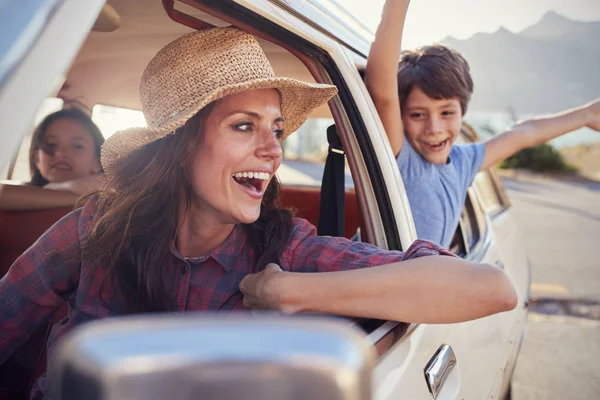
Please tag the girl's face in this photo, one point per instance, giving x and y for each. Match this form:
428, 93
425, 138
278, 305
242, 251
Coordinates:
237, 156
68, 152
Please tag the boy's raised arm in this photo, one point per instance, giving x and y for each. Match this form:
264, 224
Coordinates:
382, 66
540, 130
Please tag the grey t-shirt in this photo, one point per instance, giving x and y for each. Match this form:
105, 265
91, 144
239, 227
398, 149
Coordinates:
437, 192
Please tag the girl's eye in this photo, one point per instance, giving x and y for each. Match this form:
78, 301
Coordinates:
243, 127
49, 148
416, 115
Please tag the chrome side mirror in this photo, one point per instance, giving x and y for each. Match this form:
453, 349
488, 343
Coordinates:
207, 356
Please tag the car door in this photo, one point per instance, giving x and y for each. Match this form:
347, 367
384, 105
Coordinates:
482, 351
474, 359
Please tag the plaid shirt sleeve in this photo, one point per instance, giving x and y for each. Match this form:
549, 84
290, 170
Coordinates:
38, 282
310, 253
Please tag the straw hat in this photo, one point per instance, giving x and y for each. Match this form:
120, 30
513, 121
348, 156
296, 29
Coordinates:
199, 68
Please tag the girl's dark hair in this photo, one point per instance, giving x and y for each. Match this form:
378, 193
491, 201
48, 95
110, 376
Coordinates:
439, 71
38, 139
137, 216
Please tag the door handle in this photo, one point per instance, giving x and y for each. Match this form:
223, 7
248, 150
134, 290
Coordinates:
438, 368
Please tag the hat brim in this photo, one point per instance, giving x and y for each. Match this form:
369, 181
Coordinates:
298, 99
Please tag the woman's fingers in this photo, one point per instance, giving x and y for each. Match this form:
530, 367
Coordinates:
253, 287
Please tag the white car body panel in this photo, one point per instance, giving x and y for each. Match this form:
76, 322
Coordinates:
485, 349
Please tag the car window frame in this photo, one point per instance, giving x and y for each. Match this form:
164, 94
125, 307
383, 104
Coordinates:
366, 158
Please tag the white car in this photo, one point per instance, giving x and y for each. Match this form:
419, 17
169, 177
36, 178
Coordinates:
47, 50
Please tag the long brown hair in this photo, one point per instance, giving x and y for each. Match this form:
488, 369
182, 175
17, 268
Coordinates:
138, 214
38, 139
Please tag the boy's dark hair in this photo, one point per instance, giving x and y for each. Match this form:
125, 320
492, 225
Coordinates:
440, 72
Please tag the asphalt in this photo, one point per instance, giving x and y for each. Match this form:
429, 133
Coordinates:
560, 219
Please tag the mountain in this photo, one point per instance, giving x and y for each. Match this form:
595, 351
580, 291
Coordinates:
551, 65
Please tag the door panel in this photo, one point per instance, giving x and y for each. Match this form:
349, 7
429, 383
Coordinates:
484, 348
400, 372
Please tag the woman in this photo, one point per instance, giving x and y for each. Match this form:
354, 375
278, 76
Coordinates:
189, 217
64, 156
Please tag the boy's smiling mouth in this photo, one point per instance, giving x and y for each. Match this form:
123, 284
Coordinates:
436, 146
253, 183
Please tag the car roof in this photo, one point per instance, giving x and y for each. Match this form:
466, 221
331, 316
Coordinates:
109, 66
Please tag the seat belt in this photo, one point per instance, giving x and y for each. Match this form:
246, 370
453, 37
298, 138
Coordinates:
332, 204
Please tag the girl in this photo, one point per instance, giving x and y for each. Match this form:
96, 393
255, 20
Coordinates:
64, 156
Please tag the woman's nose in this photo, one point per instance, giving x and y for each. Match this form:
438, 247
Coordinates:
269, 146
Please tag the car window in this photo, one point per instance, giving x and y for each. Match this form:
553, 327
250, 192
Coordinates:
109, 120
112, 119
472, 226
491, 199
304, 155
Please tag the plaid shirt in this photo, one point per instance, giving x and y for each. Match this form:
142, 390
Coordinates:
52, 271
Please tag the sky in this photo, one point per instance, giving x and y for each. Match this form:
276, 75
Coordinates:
429, 21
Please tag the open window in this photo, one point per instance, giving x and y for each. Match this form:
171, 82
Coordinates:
472, 227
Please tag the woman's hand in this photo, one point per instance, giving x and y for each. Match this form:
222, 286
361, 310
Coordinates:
261, 290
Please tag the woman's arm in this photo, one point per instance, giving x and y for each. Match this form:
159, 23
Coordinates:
382, 67
17, 197
540, 130
433, 290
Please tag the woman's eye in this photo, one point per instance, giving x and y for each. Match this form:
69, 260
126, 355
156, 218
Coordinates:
243, 127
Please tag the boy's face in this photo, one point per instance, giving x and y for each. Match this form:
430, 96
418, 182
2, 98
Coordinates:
431, 126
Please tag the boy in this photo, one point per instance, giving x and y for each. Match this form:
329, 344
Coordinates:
421, 103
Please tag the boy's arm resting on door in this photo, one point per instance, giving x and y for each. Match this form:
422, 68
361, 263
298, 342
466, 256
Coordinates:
382, 67
540, 130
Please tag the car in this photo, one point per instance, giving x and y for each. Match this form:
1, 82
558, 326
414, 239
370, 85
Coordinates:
48, 50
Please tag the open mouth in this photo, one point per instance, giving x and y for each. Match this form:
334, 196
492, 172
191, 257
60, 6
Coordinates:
61, 166
436, 146
253, 183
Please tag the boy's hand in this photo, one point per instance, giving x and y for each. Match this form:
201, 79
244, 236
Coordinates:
594, 119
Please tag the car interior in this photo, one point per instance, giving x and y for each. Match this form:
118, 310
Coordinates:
107, 71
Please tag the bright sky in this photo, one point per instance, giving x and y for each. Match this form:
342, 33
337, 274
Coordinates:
432, 20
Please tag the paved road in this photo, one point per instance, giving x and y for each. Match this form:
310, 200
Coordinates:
560, 358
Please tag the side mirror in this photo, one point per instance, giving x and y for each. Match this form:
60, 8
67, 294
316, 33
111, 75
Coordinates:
207, 356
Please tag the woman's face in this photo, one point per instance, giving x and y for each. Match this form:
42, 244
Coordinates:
237, 156
69, 152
